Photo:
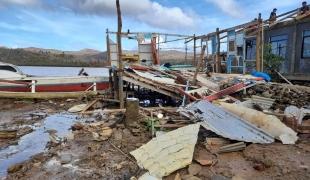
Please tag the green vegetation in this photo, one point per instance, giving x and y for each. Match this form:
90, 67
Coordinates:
272, 62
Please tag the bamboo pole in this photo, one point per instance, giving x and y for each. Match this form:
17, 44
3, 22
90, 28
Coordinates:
120, 63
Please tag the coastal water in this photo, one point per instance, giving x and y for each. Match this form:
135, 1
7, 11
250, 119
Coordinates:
62, 71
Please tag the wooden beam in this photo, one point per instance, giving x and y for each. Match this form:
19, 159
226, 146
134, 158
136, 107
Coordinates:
259, 44
89, 105
194, 60
155, 33
45, 95
108, 47
217, 56
199, 63
120, 62
293, 56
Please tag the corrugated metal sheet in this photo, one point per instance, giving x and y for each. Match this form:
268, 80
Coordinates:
225, 123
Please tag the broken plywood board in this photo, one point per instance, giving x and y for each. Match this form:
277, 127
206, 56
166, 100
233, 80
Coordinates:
226, 124
157, 78
268, 123
151, 87
169, 152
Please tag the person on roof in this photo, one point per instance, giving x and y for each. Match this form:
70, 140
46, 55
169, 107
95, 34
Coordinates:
304, 9
273, 15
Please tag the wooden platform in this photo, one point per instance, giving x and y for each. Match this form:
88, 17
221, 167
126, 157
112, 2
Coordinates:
45, 95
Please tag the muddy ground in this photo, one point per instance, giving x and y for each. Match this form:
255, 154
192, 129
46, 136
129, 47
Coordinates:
81, 156
22, 115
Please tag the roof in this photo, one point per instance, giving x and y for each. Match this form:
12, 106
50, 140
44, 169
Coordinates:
226, 124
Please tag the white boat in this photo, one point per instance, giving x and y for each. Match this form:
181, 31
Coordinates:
13, 80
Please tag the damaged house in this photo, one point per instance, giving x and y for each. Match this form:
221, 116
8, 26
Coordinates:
288, 35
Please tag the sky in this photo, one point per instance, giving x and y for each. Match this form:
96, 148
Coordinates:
80, 24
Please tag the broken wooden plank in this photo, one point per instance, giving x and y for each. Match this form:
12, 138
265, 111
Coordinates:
232, 147
170, 125
8, 134
89, 105
225, 92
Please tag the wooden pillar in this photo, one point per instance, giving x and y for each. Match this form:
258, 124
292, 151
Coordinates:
218, 48
259, 44
293, 56
158, 37
199, 64
194, 61
108, 47
120, 62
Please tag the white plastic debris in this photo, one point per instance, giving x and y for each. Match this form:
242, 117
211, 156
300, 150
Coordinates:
147, 176
299, 114
77, 108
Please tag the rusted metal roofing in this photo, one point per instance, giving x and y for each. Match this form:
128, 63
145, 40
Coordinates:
225, 123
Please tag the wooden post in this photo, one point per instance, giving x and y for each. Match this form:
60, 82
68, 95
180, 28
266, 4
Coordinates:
132, 111
120, 62
108, 47
194, 61
293, 56
218, 47
259, 44
185, 53
158, 49
199, 63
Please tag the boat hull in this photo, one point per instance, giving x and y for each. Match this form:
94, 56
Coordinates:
54, 84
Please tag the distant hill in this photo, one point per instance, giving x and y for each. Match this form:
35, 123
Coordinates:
33, 56
50, 57
175, 57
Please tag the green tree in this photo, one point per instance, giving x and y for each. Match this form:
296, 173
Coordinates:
272, 62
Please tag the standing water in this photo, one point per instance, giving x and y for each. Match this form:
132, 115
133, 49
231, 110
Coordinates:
35, 142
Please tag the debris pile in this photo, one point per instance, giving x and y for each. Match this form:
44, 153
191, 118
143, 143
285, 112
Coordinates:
283, 94
210, 134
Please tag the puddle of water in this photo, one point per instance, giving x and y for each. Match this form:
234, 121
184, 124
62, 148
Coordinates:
34, 142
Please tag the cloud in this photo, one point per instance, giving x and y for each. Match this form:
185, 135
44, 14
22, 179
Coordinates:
146, 11
6, 3
230, 7
165, 17
20, 27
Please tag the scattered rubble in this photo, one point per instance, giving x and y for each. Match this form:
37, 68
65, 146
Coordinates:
239, 138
